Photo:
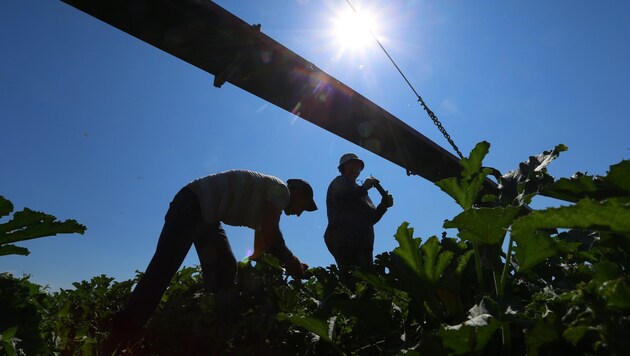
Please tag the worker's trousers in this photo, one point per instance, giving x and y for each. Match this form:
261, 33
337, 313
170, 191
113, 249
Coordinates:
183, 227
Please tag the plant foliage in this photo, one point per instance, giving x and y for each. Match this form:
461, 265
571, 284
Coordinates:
28, 224
514, 281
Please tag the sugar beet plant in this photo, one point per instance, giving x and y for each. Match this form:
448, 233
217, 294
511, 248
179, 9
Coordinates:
514, 281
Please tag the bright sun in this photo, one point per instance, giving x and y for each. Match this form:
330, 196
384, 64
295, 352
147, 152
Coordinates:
351, 31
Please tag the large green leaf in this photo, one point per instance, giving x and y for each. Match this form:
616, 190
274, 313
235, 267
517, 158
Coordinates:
573, 189
6, 207
609, 215
616, 293
466, 189
451, 186
426, 261
472, 164
484, 225
13, 250
375, 280
462, 261
580, 186
9, 333
619, 175
28, 224
435, 261
534, 246
533, 249
574, 334
8, 342
316, 326
409, 248
518, 186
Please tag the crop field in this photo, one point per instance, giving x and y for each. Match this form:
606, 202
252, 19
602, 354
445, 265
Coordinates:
509, 281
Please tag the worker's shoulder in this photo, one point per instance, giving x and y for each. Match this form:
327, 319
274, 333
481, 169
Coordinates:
340, 180
255, 173
247, 174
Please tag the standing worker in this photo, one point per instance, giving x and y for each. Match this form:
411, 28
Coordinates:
237, 198
352, 215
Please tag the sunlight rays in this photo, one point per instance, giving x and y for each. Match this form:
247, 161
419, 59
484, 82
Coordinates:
351, 32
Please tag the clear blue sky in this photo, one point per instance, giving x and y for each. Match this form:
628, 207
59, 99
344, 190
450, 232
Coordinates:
100, 127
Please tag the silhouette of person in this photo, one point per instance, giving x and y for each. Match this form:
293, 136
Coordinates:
349, 235
237, 198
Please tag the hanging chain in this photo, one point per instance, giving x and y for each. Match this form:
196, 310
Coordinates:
433, 117
440, 127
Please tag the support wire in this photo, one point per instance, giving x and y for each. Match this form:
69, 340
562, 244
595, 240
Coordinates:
432, 115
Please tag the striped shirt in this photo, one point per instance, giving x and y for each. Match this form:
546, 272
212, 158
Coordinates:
238, 197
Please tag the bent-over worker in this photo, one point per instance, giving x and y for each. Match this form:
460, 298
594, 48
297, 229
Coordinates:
237, 198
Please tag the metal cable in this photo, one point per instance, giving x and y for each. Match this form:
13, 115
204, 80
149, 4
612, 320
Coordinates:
433, 117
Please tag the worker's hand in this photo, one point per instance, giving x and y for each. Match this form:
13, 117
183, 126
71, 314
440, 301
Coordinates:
370, 182
295, 268
388, 200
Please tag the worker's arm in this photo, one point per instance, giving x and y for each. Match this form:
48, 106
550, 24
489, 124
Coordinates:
345, 192
271, 237
260, 245
387, 201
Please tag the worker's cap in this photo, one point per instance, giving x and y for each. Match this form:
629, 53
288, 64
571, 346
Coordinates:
349, 157
302, 184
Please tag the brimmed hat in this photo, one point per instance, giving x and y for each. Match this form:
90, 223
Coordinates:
350, 157
302, 184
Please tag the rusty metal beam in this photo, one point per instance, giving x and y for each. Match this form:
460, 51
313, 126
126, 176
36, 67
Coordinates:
214, 40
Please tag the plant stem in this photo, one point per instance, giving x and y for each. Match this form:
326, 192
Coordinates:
504, 275
497, 282
507, 338
478, 264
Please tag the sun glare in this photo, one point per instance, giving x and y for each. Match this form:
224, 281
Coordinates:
351, 31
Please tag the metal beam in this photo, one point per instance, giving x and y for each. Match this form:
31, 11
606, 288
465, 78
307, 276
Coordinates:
211, 38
